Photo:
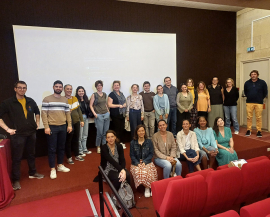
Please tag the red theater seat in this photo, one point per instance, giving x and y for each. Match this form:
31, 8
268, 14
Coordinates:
249, 161
223, 188
258, 209
184, 197
202, 172
230, 213
159, 189
256, 179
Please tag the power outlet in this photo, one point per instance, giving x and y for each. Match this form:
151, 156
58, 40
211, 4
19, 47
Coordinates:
268, 149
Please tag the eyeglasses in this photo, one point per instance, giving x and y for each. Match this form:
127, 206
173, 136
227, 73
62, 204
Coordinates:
21, 88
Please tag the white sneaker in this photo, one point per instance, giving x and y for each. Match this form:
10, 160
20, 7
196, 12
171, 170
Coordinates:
98, 150
147, 192
63, 169
236, 132
82, 154
53, 174
87, 152
124, 146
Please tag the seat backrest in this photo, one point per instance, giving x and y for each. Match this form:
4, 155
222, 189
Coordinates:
258, 209
184, 197
159, 189
202, 172
256, 179
224, 187
230, 213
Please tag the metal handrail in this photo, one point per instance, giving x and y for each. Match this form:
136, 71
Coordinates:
101, 174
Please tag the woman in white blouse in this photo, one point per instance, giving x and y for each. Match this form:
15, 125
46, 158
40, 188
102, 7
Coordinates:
135, 109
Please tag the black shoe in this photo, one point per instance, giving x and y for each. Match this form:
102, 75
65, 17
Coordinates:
248, 133
16, 185
259, 134
36, 176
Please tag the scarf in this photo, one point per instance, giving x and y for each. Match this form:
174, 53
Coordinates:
191, 90
122, 101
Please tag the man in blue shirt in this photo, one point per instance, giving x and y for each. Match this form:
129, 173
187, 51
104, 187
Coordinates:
255, 90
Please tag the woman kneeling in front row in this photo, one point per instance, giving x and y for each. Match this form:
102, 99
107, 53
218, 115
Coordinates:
165, 150
141, 153
113, 160
189, 148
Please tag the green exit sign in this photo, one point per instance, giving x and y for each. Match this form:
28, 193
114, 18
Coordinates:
250, 49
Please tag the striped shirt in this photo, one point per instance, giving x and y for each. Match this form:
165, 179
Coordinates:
55, 111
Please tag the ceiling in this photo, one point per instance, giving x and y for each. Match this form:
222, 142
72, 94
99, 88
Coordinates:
223, 5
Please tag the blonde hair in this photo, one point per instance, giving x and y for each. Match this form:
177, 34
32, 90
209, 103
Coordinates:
230, 80
204, 89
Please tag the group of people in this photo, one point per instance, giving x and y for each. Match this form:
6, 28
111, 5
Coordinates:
65, 120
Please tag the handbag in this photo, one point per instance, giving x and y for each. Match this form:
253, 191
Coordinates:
126, 194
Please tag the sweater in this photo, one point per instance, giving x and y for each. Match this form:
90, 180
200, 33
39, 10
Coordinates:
183, 102
255, 91
76, 113
148, 100
230, 98
205, 137
157, 107
55, 111
181, 141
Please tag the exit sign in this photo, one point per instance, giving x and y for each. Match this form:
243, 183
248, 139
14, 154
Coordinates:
250, 49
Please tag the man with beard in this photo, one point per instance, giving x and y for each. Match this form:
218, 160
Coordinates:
21, 111
55, 115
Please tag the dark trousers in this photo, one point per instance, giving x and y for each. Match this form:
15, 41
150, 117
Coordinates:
172, 119
72, 141
113, 176
118, 125
18, 144
190, 154
205, 114
180, 118
134, 120
56, 142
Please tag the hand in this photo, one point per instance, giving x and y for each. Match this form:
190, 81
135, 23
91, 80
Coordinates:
120, 106
95, 115
170, 159
142, 118
209, 109
190, 159
166, 116
48, 131
160, 117
213, 153
153, 111
69, 129
11, 131
37, 126
122, 176
195, 159
82, 124
186, 110
127, 118
143, 164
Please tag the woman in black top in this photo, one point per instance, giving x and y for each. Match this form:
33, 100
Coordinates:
216, 101
117, 105
113, 161
231, 95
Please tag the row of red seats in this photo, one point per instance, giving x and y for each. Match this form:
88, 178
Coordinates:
258, 209
208, 191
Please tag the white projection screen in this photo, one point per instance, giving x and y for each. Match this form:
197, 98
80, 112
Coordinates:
80, 57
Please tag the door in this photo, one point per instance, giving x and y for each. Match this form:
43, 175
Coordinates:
263, 68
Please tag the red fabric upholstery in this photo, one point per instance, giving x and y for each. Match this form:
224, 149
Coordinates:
224, 187
230, 213
184, 197
256, 179
258, 209
6, 190
202, 172
249, 161
7, 148
159, 189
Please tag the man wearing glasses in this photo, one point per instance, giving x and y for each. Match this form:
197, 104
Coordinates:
24, 115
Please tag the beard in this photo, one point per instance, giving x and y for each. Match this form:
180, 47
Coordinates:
57, 91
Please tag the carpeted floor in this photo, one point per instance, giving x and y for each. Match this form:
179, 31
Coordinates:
82, 174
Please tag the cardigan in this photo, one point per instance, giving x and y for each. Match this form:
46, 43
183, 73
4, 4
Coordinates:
162, 151
181, 142
105, 156
157, 107
183, 102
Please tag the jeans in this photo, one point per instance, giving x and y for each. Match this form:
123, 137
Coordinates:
102, 123
118, 125
167, 167
149, 122
56, 144
258, 112
172, 119
190, 154
231, 111
134, 120
18, 144
72, 140
83, 135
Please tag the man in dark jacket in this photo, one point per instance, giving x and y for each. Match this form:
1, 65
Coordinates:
255, 90
22, 111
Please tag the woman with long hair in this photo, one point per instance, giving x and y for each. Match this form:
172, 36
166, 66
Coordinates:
206, 141
224, 140
161, 104
203, 104
193, 111
142, 168
84, 105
